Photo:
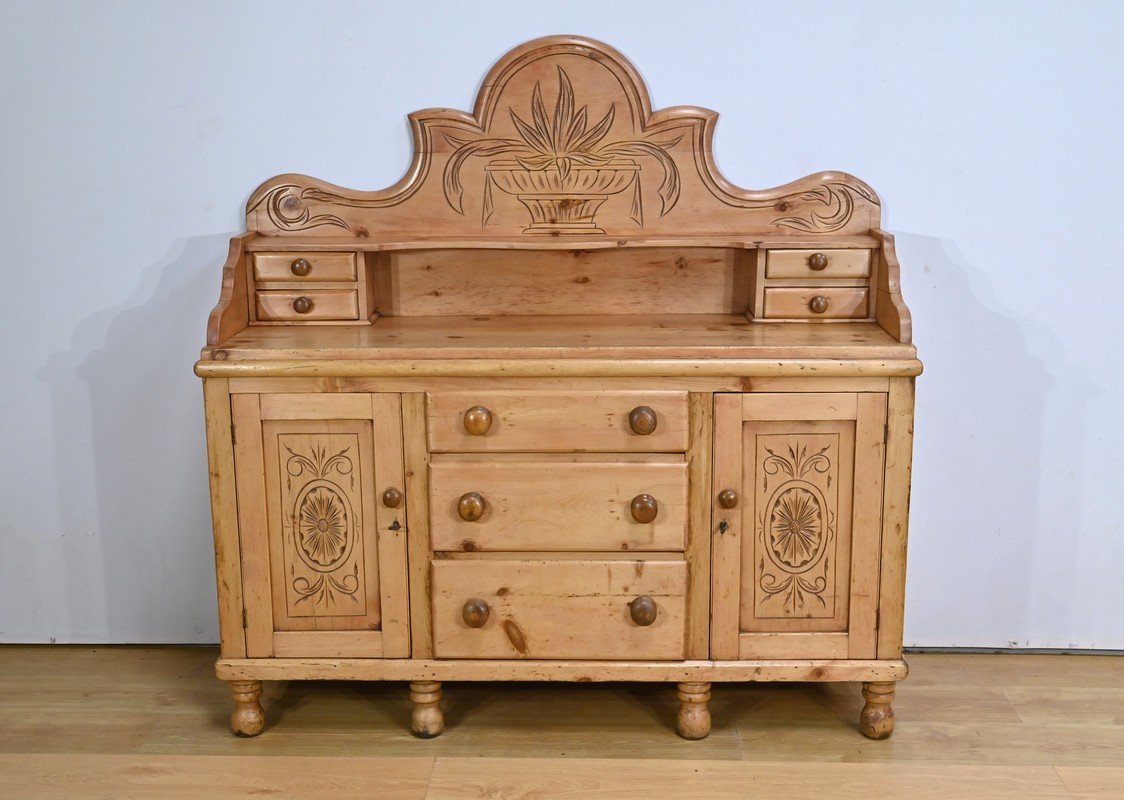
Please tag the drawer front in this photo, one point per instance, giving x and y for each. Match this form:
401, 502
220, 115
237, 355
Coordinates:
581, 609
546, 421
545, 506
802, 302
323, 304
296, 267
817, 264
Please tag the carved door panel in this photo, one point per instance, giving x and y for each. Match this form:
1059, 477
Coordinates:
323, 554
796, 560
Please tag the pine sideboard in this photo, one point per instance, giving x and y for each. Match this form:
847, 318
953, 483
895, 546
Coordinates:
563, 404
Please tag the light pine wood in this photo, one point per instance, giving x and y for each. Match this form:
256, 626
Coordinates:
285, 305
529, 505
416, 461
536, 412
807, 263
815, 302
305, 267
536, 420
224, 510
247, 719
629, 281
895, 518
559, 609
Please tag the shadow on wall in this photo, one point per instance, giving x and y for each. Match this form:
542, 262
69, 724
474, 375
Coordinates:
131, 453
982, 500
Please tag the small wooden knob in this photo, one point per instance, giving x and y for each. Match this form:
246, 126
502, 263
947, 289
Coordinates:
728, 498
475, 613
470, 507
477, 420
644, 508
392, 498
818, 304
817, 261
642, 420
643, 610
302, 305
301, 267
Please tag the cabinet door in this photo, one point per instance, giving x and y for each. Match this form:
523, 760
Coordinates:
323, 554
796, 560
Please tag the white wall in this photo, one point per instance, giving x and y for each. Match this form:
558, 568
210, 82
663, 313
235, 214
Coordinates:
133, 132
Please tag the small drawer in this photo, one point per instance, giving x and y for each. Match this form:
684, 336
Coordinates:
546, 421
816, 302
557, 506
296, 267
321, 304
580, 609
817, 264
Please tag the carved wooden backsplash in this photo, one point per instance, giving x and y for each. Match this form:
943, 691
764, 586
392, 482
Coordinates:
563, 141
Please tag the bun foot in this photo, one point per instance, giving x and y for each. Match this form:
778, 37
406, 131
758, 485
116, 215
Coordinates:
877, 718
693, 721
247, 718
428, 720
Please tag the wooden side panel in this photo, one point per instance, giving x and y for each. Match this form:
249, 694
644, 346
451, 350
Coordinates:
550, 505
417, 509
253, 525
866, 531
559, 609
553, 421
726, 529
796, 559
232, 312
701, 416
224, 503
889, 307
895, 517
386, 411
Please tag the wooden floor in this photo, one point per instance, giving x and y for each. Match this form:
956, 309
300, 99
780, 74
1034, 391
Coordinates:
134, 722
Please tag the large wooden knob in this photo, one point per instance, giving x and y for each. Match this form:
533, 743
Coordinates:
643, 610
728, 498
301, 267
642, 420
470, 507
818, 304
477, 420
475, 613
644, 508
392, 498
302, 305
817, 261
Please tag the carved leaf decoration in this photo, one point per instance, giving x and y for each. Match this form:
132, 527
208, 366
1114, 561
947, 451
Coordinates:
454, 191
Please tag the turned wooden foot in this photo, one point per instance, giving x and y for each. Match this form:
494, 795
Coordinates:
428, 720
247, 718
694, 714
877, 718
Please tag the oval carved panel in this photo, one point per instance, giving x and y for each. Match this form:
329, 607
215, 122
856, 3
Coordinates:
324, 526
796, 526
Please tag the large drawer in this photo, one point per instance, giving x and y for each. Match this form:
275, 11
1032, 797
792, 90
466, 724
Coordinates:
551, 421
579, 609
550, 505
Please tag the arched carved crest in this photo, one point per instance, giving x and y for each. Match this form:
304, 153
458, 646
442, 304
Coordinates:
563, 141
